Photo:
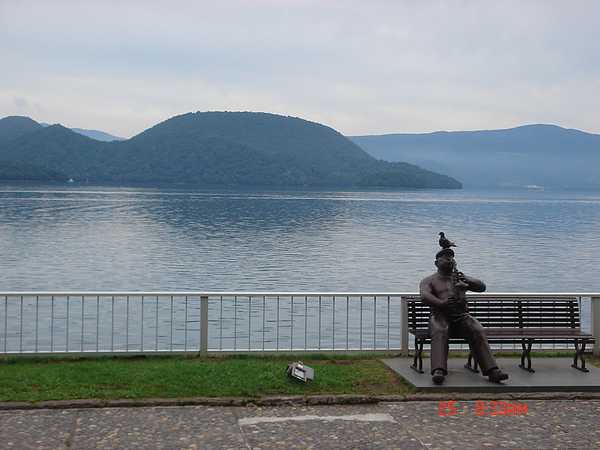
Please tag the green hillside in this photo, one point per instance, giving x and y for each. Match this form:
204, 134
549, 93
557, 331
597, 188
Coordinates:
11, 171
14, 126
62, 149
219, 148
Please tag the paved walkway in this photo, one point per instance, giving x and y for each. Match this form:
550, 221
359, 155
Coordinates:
437, 421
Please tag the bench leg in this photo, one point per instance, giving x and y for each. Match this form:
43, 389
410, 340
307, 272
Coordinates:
472, 363
526, 354
579, 349
418, 360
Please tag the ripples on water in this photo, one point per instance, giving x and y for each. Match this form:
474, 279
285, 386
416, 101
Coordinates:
91, 238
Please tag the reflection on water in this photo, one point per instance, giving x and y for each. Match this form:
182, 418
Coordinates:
80, 237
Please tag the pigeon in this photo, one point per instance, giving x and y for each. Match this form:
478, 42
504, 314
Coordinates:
445, 242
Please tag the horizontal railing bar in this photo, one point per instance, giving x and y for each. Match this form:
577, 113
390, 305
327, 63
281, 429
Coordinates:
283, 294
212, 352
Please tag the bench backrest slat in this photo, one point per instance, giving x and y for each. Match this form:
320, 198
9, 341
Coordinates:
509, 312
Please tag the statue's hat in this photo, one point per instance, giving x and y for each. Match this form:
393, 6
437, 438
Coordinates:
444, 251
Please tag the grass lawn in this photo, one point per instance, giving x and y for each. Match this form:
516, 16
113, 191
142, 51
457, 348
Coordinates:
40, 379
246, 376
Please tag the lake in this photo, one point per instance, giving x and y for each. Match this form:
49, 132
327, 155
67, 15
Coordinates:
80, 237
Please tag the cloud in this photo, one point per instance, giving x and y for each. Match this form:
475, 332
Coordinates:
360, 67
22, 104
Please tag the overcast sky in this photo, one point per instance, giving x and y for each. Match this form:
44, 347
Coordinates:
359, 66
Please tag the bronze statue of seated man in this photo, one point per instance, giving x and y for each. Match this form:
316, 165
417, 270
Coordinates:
445, 293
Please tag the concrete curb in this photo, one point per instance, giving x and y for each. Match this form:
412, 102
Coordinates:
293, 400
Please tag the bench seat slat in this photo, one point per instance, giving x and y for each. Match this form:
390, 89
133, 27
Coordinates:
529, 333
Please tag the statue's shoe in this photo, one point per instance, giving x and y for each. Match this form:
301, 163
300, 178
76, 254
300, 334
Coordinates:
496, 375
438, 376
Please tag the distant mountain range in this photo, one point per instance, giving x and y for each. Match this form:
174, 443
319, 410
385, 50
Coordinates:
529, 156
260, 148
94, 134
213, 148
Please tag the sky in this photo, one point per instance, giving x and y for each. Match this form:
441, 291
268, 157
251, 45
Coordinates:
361, 67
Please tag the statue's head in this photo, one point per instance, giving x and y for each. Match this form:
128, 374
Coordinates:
444, 259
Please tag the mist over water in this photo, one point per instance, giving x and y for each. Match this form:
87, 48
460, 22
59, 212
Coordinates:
74, 237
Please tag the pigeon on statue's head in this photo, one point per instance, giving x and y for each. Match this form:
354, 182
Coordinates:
445, 242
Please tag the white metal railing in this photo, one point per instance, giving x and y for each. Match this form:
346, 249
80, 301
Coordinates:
59, 323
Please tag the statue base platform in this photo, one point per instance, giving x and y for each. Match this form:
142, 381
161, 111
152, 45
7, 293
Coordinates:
551, 375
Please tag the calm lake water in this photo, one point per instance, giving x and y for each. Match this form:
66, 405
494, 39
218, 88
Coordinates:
72, 237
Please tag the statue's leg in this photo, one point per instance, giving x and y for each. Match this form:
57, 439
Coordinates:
471, 330
439, 330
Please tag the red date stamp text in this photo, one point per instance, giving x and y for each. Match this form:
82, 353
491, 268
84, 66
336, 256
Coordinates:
449, 408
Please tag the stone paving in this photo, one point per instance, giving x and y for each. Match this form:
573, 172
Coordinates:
428, 421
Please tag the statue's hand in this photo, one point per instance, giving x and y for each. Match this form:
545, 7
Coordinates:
455, 304
450, 304
461, 285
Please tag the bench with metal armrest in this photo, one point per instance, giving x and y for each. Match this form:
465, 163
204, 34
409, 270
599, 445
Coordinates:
512, 320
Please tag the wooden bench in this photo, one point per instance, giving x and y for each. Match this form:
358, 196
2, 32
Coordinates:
512, 320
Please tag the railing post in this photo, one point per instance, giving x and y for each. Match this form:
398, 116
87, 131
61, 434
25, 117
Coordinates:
595, 322
203, 326
403, 326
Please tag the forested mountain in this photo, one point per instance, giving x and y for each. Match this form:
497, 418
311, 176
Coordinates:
539, 155
14, 126
10, 128
220, 148
12, 171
